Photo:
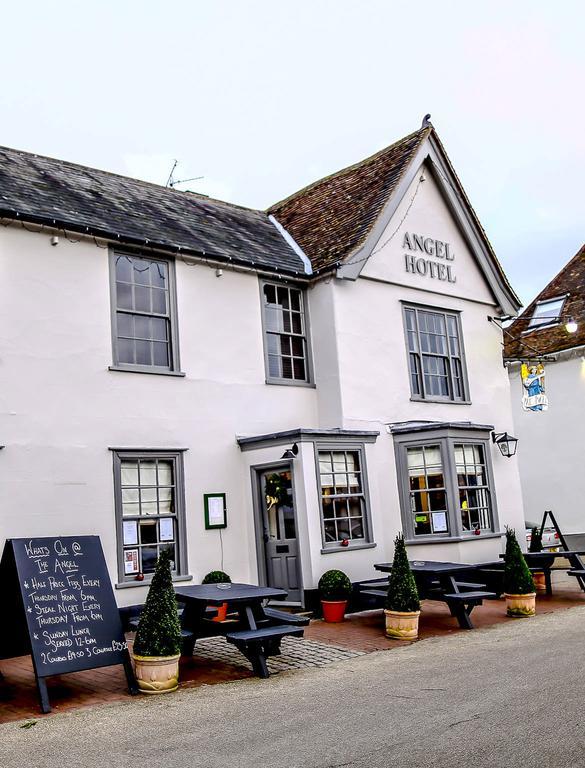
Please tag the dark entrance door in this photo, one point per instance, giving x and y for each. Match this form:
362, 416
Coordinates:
279, 531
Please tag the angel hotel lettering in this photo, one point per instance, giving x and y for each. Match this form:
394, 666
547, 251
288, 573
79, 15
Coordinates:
420, 265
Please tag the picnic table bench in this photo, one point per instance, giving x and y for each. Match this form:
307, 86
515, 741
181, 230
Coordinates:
257, 644
543, 562
437, 581
258, 631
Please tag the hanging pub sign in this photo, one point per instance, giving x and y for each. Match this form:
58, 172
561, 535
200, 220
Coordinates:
534, 397
58, 602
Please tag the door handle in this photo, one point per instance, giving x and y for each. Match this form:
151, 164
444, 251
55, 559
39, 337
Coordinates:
266, 538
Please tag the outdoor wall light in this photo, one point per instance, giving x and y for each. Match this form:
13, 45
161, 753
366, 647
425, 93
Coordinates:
571, 325
291, 453
506, 443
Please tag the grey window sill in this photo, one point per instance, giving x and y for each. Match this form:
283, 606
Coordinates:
291, 383
145, 369
452, 539
146, 582
350, 548
442, 400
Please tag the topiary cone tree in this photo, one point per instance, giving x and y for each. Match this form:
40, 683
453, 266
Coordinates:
517, 577
402, 591
535, 541
519, 588
159, 630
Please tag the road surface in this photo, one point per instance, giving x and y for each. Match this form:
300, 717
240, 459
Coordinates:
512, 695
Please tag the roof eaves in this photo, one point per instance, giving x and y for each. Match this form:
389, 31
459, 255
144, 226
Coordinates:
117, 239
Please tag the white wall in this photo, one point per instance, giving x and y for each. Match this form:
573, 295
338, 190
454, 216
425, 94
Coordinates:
61, 408
373, 363
552, 437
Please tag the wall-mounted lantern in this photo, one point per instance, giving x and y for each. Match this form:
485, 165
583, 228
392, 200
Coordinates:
506, 443
291, 453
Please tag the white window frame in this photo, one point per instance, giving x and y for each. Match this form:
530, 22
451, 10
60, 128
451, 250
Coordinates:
535, 325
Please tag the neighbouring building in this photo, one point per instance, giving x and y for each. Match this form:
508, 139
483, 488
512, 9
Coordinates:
327, 364
545, 353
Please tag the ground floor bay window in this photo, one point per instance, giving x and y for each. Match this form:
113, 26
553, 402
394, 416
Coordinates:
445, 481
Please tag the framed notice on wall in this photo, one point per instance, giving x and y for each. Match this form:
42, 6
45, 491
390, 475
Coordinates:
215, 510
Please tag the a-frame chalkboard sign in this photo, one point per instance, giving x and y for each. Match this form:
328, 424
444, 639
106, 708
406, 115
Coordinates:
549, 513
58, 605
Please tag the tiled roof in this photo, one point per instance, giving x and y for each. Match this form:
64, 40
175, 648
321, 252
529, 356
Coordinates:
570, 280
333, 216
44, 190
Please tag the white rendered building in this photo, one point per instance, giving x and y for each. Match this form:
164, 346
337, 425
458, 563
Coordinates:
328, 365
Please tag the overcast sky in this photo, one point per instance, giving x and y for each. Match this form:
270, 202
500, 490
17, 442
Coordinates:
263, 97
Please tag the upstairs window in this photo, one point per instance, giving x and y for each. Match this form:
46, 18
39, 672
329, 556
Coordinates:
285, 334
144, 318
546, 313
435, 355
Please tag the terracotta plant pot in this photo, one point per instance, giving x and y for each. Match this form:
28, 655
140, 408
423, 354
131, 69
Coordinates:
539, 581
402, 625
333, 610
221, 612
157, 674
520, 606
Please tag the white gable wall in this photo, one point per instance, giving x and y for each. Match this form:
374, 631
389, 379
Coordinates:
373, 360
428, 215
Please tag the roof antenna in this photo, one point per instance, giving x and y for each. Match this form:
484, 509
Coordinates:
172, 182
426, 123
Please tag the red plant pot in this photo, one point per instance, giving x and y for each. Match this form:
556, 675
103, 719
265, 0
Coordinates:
333, 610
221, 612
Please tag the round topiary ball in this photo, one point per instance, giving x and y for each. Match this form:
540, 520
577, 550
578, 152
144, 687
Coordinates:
216, 577
334, 585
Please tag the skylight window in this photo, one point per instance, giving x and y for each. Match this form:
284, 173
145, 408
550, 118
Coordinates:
547, 313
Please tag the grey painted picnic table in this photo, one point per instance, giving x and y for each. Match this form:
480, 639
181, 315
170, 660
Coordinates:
247, 601
436, 580
546, 558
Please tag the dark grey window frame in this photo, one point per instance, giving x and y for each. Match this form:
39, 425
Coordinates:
368, 541
174, 369
176, 455
310, 382
423, 398
446, 438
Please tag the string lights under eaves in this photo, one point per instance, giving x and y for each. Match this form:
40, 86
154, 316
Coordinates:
378, 248
186, 256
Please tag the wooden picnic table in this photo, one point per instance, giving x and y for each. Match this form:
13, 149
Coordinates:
545, 559
256, 633
436, 580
